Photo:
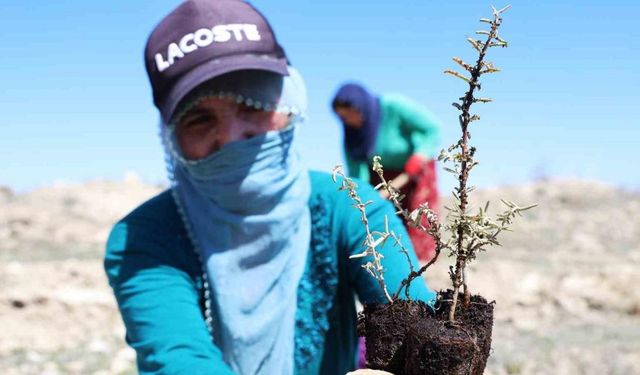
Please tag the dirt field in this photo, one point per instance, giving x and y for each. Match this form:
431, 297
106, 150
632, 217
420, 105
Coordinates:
565, 282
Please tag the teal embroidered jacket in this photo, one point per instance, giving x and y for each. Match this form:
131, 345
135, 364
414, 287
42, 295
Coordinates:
157, 280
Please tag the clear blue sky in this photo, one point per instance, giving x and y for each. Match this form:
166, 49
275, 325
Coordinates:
76, 105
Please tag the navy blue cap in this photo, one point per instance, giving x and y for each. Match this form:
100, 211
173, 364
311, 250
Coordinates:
202, 39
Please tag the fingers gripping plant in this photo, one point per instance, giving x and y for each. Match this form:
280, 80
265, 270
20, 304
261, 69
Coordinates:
468, 233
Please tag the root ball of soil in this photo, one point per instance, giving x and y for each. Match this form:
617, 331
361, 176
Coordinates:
407, 338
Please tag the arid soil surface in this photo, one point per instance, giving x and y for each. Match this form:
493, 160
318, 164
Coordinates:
565, 281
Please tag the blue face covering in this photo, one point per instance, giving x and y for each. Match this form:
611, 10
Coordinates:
246, 209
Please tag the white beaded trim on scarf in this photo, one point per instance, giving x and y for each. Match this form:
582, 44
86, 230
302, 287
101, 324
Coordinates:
238, 98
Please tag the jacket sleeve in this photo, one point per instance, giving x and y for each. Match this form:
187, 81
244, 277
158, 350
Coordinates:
395, 262
420, 124
159, 305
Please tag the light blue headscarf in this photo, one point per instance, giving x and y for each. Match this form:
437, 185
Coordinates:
246, 209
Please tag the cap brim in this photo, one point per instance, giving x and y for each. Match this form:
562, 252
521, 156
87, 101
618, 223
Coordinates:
215, 68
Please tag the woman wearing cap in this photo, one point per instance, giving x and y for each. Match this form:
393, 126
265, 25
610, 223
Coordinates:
405, 135
241, 267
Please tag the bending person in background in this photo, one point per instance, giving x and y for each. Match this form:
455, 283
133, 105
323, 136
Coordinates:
242, 265
405, 135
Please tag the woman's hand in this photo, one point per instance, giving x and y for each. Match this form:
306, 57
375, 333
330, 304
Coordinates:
415, 165
398, 183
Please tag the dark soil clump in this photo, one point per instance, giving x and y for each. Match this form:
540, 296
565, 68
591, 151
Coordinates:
406, 338
385, 327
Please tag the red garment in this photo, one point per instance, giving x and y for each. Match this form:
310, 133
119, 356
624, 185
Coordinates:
422, 188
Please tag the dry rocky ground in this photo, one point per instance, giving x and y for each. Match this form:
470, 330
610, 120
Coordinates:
565, 282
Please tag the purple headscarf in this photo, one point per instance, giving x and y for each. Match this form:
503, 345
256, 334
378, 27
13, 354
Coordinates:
360, 143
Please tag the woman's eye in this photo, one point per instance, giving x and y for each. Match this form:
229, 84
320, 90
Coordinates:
193, 122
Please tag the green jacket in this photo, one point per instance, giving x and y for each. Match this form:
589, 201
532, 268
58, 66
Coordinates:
406, 128
157, 281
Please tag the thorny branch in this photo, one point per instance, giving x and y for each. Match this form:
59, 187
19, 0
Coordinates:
463, 225
469, 233
373, 239
415, 220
